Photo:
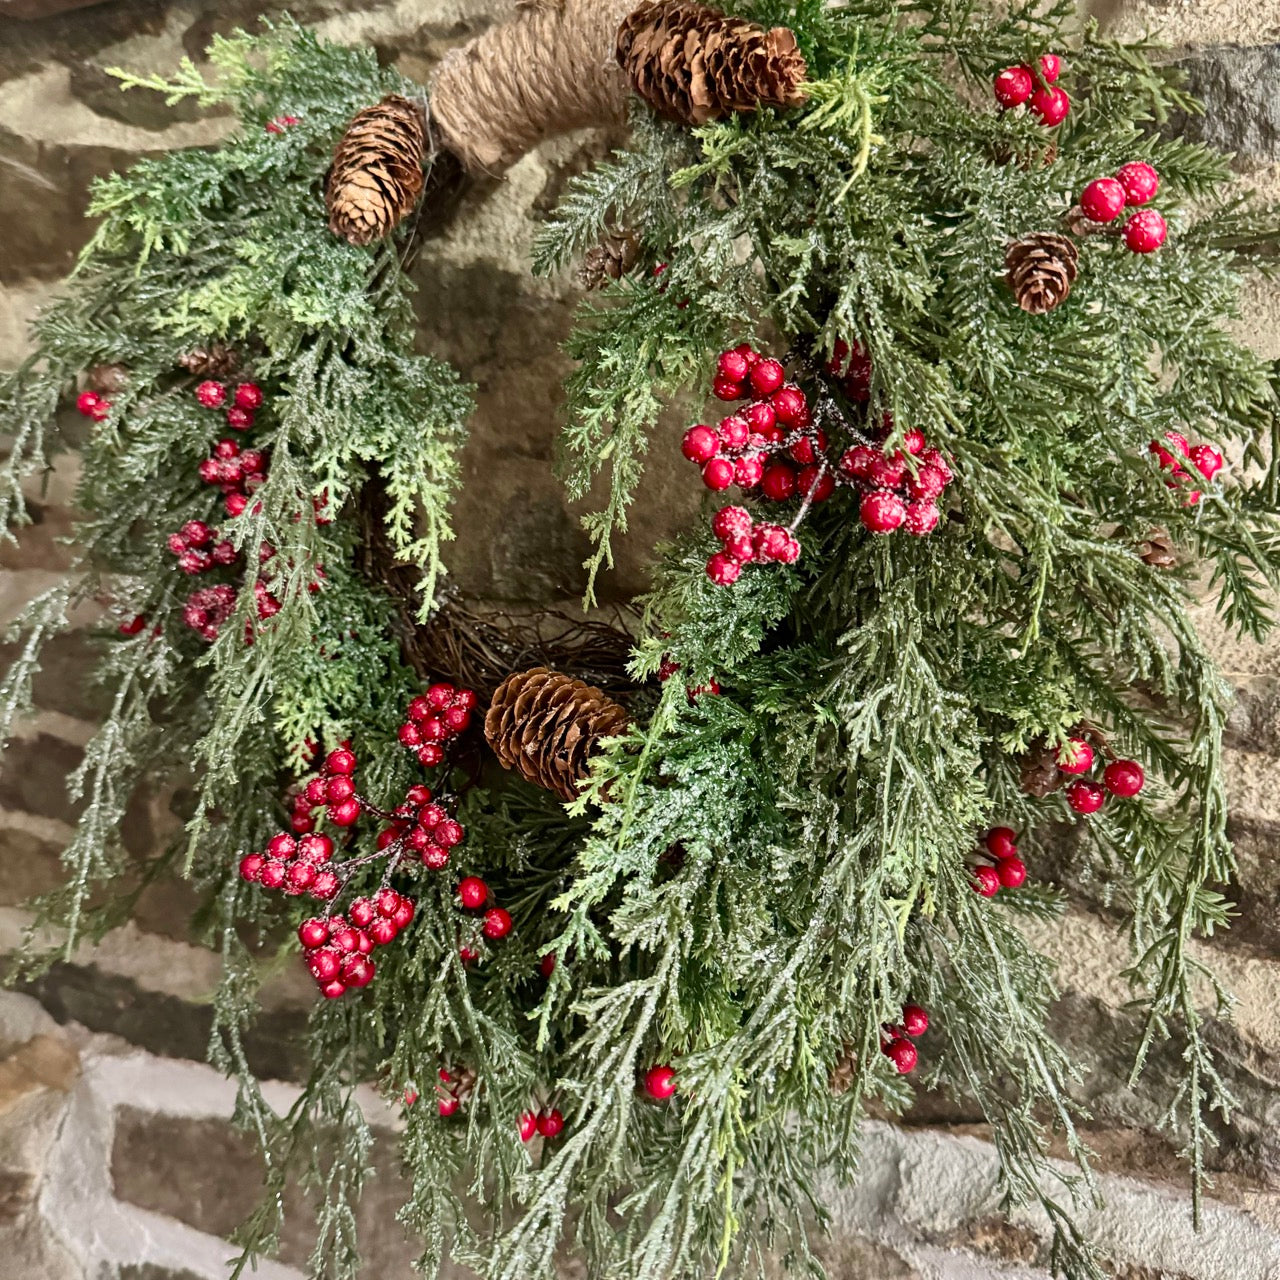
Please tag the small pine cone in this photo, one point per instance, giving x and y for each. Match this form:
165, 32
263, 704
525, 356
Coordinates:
611, 259
692, 64
463, 1084
545, 726
845, 1071
377, 173
1040, 773
1040, 269
1157, 550
108, 379
214, 361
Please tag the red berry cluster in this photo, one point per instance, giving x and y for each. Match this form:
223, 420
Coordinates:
332, 789
743, 541
852, 365
895, 1041
1204, 457
295, 866
199, 548
207, 610
1123, 778
895, 496
434, 719
1008, 872
245, 401
281, 123
1037, 87
670, 667
92, 405
474, 895
423, 826
547, 1123
337, 949
1104, 199
236, 471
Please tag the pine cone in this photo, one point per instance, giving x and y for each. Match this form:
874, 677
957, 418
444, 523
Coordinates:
1040, 773
611, 259
214, 361
692, 64
1040, 269
845, 1071
108, 379
377, 175
545, 726
1157, 550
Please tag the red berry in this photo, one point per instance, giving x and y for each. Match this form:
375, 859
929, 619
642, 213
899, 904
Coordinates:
903, 1054
340, 761
761, 418
528, 1126
213, 395
1013, 86
1085, 797
1001, 842
718, 474
882, 511
408, 735
332, 990
922, 518
449, 833
418, 794
816, 483
858, 461
733, 365
731, 522
1206, 460
431, 816
497, 923
315, 848
913, 441
339, 788
88, 402
547, 966
550, 1123
1102, 200
778, 483
362, 912
467, 956
723, 570
1139, 180
383, 931
1050, 106
239, 419
357, 971
435, 858
748, 470
251, 866
726, 389
249, 396
733, 432
273, 873
1124, 778
312, 933
474, 892
1050, 67
344, 814
766, 377
1012, 872
139, 621
403, 916
660, 1083
102, 412
986, 881
915, 1020
790, 406
1076, 756
326, 885
1145, 232
700, 444
888, 470
324, 964
235, 504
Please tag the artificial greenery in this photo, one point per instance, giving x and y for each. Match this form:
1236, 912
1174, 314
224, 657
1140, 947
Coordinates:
754, 882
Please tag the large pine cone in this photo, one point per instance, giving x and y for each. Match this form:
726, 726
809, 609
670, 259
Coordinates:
545, 726
377, 175
692, 64
1040, 269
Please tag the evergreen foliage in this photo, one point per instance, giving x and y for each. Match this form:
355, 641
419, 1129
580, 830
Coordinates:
756, 882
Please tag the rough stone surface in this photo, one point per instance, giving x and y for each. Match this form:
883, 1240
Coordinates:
1242, 109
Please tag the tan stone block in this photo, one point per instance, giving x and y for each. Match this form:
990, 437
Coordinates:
1189, 22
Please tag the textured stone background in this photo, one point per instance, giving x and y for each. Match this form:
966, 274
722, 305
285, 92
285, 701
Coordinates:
116, 1158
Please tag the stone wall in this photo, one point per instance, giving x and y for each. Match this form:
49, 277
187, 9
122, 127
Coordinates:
116, 1158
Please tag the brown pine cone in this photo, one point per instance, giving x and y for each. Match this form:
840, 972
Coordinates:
377, 173
545, 726
214, 361
108, 379
611, 259
1040, 773
692, 64
1157, 550
845, 1071
1040, 269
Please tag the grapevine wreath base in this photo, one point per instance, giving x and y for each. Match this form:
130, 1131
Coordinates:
635, 918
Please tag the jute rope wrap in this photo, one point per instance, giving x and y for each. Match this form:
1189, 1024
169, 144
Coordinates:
548, 70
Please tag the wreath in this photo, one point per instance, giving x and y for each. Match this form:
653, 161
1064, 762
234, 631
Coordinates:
634, 917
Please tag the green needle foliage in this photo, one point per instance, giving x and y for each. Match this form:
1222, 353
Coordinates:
754, 883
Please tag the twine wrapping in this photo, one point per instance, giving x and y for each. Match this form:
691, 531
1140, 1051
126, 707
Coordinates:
548, 70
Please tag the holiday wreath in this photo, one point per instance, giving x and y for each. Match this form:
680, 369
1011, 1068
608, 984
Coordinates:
733, 876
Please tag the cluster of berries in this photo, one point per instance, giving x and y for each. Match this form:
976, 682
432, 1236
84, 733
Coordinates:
743, 541
93, 405
1037, 87
434, 719
281, 123
547, 1123
337, 948
851, 363
244, 401
199, 547
894, 494
1006, 870
294, 865
332, 789
1204, 457
1123, 778
1104, 199
236, 471
207, 610
423, 826
895, 1041
474, 895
